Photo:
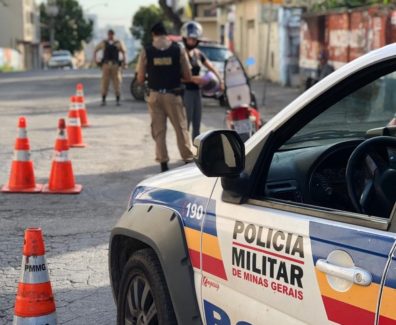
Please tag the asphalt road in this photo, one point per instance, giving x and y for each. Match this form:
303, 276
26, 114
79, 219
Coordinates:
119, 154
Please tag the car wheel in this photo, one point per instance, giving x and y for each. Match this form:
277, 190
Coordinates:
143, 297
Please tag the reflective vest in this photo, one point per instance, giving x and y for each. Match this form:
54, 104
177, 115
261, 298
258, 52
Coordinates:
163, 67
111, 52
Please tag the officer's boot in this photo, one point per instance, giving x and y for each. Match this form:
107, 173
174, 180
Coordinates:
164, 167
103, 100
118, 100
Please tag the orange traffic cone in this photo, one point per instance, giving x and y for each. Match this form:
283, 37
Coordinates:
61, 179
22, 174
80, 89
74, 132
34, 303
82, 111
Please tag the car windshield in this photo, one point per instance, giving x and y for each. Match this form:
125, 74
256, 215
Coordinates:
372, 106
61, 53
216, 54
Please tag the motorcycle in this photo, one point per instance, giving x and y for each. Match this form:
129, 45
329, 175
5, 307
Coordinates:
242, 114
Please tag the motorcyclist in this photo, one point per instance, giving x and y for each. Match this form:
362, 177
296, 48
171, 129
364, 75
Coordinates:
191, 32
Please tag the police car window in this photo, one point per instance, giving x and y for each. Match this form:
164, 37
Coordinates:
310, 167
369, 107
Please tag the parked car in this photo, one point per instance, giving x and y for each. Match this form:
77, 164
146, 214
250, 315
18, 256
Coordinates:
61, 59
297, 225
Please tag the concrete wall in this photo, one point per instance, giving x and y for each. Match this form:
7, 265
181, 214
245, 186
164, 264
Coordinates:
210, 30
19, 25
247, 43
274, 55
11, 23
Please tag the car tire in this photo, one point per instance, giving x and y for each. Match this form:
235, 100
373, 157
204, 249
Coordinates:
143, 296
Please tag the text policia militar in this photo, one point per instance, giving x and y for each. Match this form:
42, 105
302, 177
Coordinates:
269, 258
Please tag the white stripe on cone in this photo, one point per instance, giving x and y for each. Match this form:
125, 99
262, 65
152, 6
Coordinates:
61, 156
40, 320
72, 121
34, 270
22, 133
21, 155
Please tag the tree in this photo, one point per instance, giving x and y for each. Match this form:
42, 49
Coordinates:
332, 4
172, 15
144, 19
71, 28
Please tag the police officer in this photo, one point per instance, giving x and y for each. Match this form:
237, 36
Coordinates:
111, 64
165, 64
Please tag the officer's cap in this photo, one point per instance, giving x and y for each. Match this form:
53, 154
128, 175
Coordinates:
159, 29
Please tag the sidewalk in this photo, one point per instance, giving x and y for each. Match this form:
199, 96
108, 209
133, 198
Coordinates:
278, 97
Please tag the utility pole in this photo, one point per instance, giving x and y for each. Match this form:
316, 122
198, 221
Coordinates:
52, 11
193, 13
264, 100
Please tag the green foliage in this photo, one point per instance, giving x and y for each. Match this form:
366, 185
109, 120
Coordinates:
144, 19
71, 28
333, 4
6, 68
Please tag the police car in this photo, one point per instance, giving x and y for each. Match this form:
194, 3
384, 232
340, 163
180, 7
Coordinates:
295, 226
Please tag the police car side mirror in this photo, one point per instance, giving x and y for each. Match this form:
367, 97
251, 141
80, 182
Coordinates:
220, 153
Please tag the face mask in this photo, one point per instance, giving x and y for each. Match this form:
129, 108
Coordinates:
189, 47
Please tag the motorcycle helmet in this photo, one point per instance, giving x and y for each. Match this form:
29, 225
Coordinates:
211, 85
191, 29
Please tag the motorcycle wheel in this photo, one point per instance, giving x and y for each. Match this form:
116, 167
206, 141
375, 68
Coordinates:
137, 90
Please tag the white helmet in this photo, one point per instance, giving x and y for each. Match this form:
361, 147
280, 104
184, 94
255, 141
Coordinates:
191, 29
211, 85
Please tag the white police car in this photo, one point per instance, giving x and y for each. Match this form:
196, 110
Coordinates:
297, 227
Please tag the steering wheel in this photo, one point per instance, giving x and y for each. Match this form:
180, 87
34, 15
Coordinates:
379, 194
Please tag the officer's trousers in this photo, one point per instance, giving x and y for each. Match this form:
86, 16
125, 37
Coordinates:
111, 71
163, 106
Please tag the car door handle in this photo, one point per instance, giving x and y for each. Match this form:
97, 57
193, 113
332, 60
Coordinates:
353, 274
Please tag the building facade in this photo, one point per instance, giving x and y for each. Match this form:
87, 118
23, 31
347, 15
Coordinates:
205, 12
265, 35
20, 26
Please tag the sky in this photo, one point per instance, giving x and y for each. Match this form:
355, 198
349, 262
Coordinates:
117, 12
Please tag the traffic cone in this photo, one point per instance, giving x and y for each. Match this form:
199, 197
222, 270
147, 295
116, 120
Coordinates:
80, 89
82, 111
392, 122
34, 303
61, 180
22, 174
74, 132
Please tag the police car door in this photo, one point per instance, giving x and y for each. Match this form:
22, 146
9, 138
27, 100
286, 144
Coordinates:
276, 261
263, 265
387, 314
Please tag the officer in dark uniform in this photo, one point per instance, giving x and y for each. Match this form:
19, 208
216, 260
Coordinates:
111, 64
165, 64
